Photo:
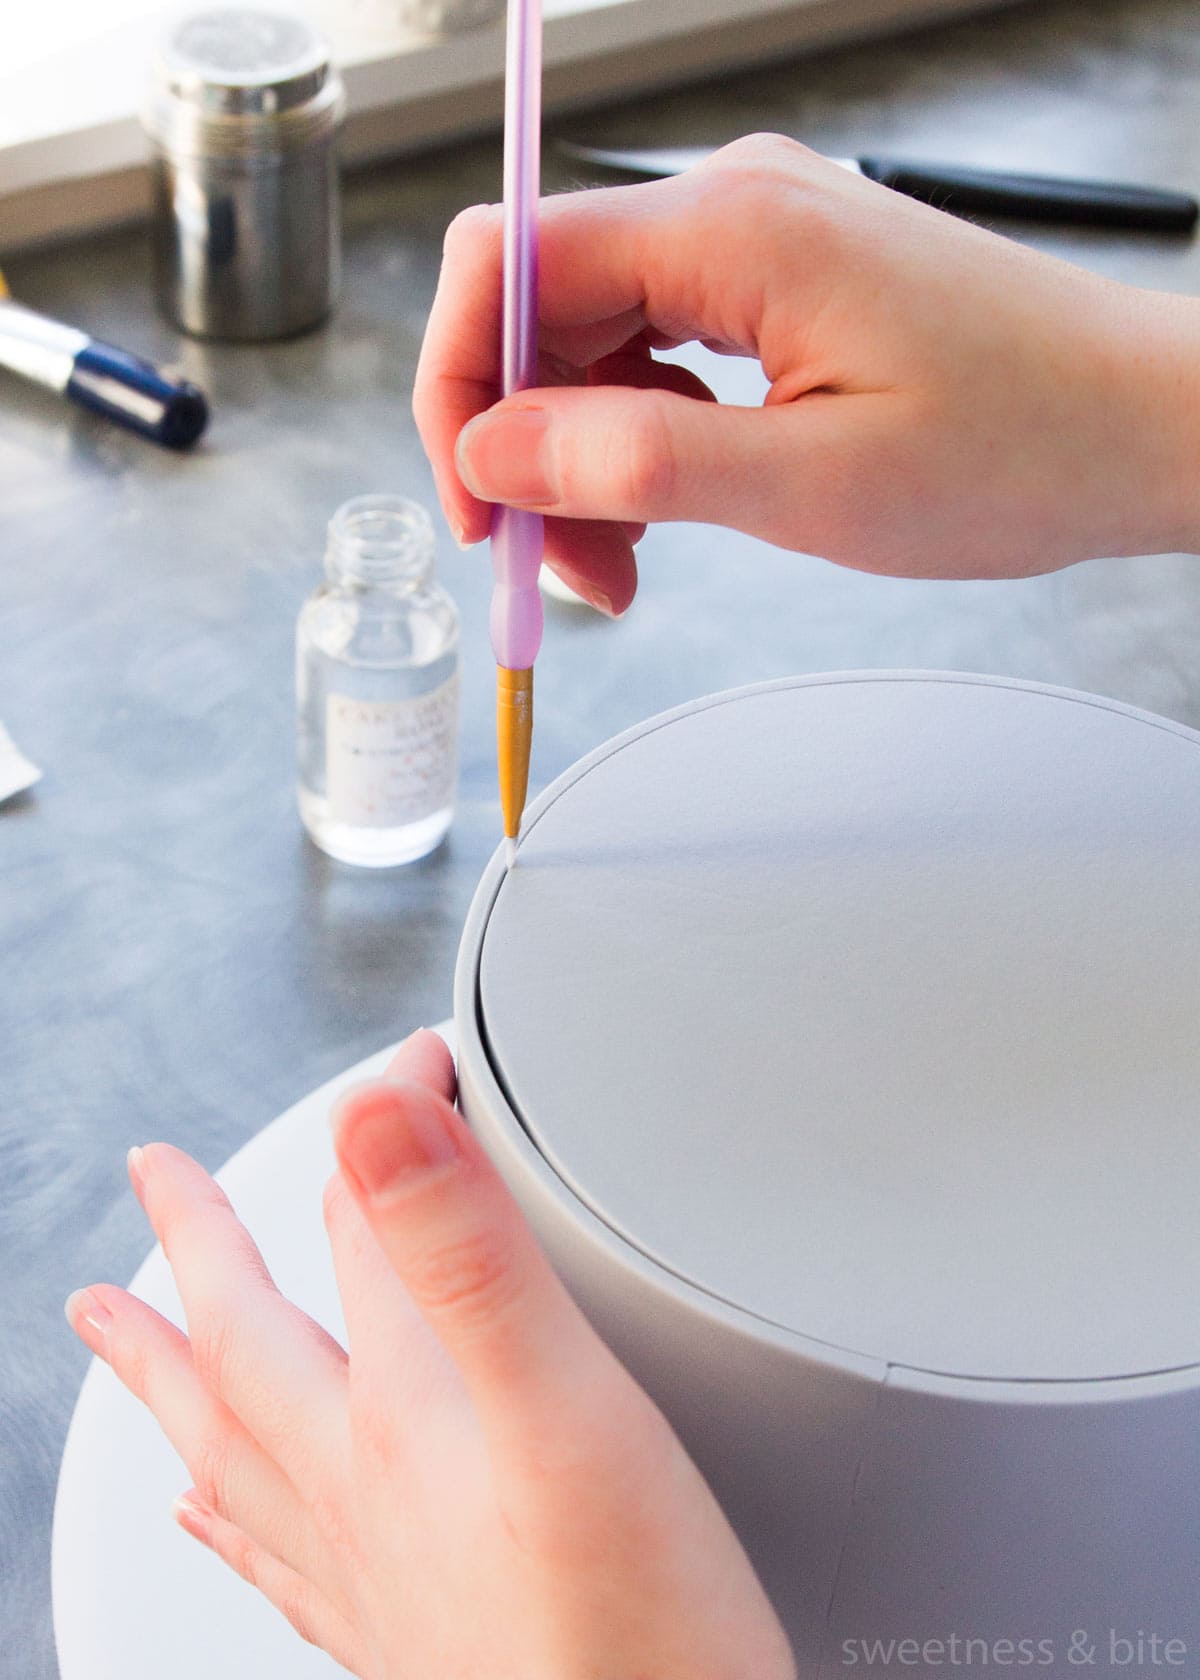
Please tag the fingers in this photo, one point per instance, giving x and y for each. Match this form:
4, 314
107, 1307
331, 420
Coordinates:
310, 1613
642, 372
235, 1477
457, 1241
278, 1371
406, 1395
631, 365
754, 253
595, 557
425, 1059
809, 475
596, 250
621, 454
397, 1366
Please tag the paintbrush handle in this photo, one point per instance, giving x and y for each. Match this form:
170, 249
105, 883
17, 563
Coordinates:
515, 620
516, 616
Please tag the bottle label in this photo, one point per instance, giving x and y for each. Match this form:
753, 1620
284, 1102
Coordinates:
391, 762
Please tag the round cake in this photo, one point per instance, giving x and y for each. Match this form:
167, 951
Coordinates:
839, 1037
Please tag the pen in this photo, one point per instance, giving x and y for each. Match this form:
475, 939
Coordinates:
98, 376
516, 613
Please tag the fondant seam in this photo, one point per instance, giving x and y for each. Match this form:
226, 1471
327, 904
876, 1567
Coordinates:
870, 1436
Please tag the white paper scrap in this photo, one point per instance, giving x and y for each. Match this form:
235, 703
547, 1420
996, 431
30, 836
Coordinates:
16, 772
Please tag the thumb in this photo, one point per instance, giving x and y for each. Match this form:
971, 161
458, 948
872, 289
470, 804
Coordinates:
613, 452
452, 1232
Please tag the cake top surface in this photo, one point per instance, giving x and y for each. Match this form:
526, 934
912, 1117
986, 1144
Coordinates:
871, 1005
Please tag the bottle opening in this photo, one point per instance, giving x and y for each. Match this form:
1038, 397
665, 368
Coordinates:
378, 538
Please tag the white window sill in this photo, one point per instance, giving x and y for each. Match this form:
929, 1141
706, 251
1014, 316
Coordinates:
72, 154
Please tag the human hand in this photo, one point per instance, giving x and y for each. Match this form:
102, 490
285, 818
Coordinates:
479, 1488
943, 402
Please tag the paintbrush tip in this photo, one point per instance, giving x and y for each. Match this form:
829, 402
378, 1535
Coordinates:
510, 853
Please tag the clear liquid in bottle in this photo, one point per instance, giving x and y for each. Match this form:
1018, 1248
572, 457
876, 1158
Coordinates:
377, 690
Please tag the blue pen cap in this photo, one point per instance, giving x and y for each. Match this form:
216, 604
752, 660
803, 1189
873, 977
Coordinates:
131, 391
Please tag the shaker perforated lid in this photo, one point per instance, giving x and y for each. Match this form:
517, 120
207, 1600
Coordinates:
871, 1005
234, 76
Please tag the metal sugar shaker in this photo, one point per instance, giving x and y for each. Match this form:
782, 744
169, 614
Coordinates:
242, 119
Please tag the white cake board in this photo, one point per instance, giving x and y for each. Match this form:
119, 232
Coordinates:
135, 1598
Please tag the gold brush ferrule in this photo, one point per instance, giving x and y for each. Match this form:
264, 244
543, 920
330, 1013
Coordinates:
514, 734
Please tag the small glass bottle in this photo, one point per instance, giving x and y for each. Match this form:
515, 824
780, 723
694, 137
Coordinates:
377, 689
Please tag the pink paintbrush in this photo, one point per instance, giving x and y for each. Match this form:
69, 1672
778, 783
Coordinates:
516, 615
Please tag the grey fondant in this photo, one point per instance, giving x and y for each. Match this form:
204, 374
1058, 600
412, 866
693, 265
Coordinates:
839, 1038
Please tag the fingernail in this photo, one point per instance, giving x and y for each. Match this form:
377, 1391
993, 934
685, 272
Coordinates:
137, 1173
401, 1137
90, 1319
507, 457
587, 591
193, 1517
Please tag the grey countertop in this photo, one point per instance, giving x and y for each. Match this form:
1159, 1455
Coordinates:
179, 962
